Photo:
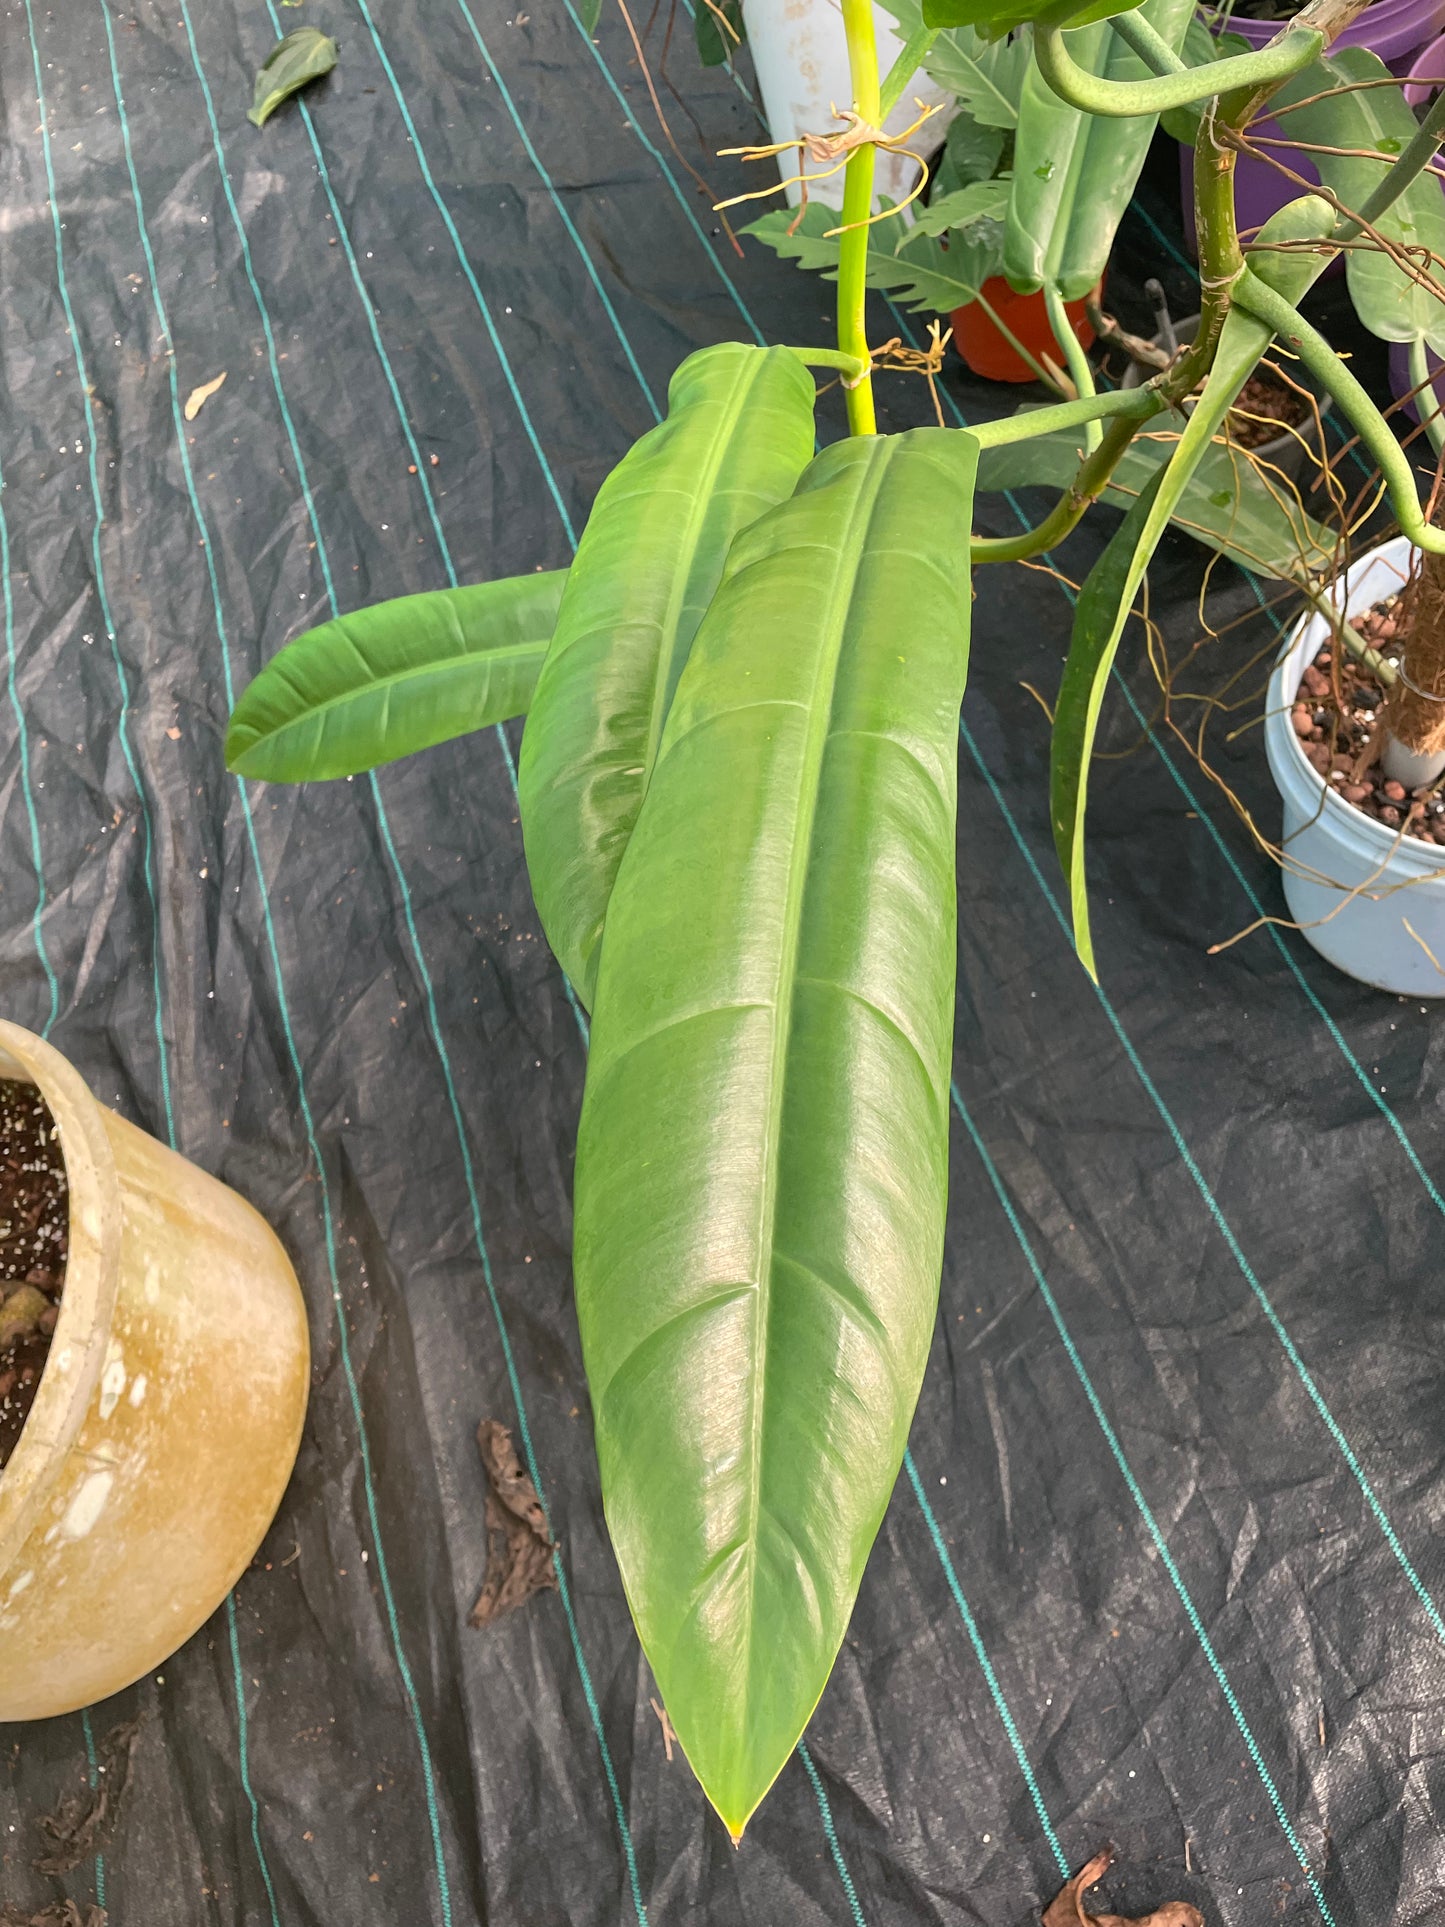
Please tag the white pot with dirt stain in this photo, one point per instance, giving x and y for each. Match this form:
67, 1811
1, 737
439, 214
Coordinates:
1370, 900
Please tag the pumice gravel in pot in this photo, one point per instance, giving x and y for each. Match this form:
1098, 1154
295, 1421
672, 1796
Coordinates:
168, 1410
1369, 894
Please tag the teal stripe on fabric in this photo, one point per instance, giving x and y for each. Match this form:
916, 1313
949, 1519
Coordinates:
423, 970
980, 1651
1161, 1545
26, 789
1217, 1217
98, 568
93, 1780
677, 193
203, 530
239, 1685
464, 261
557, 203
830, 1834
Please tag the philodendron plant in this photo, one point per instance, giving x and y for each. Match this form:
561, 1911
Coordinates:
738, 798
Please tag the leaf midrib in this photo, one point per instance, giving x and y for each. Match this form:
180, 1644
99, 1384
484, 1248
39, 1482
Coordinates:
816, 744
361, 693
700, 497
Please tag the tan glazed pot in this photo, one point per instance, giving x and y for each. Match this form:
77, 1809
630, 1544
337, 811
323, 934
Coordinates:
167, 1418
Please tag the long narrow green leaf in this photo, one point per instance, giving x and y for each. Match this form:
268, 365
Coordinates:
738, 434
1103, 607
400, 676
1074, 174
762, 1159
1391, 302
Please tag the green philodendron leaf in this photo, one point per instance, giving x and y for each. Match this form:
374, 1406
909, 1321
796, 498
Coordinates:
1096, 637
923, 274
304, 55
1225, 504
1099, 618
1074, 174
957, 212
994, 18
987, 76
1390, 302
971, 153
738, 433
589, 12
401, 676
763, 1153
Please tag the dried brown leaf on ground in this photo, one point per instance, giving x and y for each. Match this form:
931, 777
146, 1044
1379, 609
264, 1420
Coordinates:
60, 1913
1067, 1908
198, 397
77, 1823
520, 1549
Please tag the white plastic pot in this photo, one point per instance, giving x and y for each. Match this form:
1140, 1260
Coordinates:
801, 60
1331, 850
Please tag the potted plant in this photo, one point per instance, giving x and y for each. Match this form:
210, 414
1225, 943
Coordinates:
153, 1377
738, 796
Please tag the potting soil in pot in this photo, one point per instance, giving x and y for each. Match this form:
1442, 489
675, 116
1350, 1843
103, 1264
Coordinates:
1265, 408
34, 1228
1334, 717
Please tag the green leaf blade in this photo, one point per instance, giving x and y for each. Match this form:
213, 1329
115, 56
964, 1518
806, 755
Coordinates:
923, 275
401, 676
1390, 301
762, 1161
738, 434
303, 55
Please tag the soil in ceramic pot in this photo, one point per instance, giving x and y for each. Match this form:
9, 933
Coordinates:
1334, 716
34, 1235
1264, 410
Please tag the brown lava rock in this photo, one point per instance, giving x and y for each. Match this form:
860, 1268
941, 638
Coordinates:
34, 1237
1334, 715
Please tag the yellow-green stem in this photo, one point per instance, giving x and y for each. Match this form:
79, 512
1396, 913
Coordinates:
857, 206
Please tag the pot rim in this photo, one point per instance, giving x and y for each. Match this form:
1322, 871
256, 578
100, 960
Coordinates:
1133, 377
92, 1278
1288, 762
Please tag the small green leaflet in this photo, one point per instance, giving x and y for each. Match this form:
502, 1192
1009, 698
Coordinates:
304, 55
589, 12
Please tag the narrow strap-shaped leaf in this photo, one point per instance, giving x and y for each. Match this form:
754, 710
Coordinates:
1074, 175
762, 1159
1108, 593
400, 676
738, 434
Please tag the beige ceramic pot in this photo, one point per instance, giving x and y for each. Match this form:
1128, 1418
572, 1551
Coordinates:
167, 1418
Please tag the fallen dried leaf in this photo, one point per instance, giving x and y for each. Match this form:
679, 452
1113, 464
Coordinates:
198, 397
1067, 1909
79, 1820
520, 1549
668, 1736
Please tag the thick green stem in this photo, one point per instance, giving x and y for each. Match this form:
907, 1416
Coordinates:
857, 207
1085, 489
914, 52
1408, 164
1135, 404
1122, 99
1425, 399
1151, 46
1077, 362
1371, 427
849, 366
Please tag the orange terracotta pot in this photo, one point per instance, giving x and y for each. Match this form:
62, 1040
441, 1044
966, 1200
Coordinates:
989, 353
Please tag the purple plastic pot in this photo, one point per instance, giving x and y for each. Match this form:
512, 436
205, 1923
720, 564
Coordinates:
1427, 73
1396, 30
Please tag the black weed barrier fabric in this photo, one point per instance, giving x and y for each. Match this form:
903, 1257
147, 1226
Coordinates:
1164, 1565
